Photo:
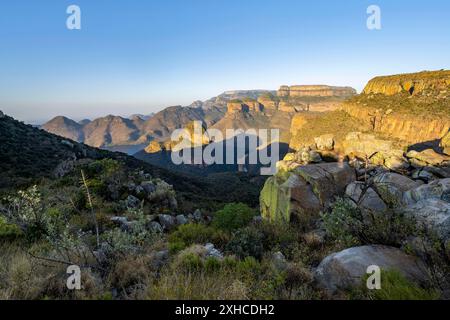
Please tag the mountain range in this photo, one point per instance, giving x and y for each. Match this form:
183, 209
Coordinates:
241, 109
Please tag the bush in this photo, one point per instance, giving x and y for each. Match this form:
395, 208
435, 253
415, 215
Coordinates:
233, 216
190, 234
247, 242
347, 224
9, 232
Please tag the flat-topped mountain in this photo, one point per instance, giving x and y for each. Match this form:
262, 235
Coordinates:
315, 91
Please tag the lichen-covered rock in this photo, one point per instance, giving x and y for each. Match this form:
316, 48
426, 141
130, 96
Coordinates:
366, 145
428, 157
345, 270
325, 142
304, 191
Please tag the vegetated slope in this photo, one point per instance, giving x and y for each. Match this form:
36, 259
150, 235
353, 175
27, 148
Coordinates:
29, 154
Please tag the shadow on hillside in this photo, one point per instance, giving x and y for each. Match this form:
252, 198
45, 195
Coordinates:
163, 159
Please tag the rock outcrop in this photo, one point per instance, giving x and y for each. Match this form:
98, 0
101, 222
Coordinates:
413, 83
305, 191
315, 91
345, 270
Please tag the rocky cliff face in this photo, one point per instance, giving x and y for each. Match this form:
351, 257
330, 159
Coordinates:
413, 83
409, 128
414, 108
315, 91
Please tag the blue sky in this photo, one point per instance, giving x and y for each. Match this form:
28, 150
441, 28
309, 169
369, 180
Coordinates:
138, 56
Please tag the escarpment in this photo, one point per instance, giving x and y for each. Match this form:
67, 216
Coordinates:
412, 83
315, 91
414, 108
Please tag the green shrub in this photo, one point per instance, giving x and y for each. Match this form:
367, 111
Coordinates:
247, 242
9, 232
233, 216
394, 286
343, 222
191, 233
347, 224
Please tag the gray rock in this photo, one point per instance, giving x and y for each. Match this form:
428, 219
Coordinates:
213, 252
390, 186
2, 115
148, 187
155, 227
346, 269
138, 190
365, 197
432, 214
132, 202
181, 220
166, 221
198, 216
279, 261
123, 223
158, 259
438, 189
424, 175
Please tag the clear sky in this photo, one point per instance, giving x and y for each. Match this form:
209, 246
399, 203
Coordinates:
139, 56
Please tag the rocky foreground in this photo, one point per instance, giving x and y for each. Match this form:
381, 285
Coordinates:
398, 168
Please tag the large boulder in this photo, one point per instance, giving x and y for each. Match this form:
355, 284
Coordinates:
365, 197
362, 145
391, 186
346, 269
306, 190
327, 179
437, 189
431, 214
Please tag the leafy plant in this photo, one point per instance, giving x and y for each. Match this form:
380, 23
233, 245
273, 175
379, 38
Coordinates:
233, 216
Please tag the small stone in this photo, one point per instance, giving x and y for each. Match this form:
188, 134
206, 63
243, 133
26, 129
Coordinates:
198, 216
132, 202
166, 221
181, 220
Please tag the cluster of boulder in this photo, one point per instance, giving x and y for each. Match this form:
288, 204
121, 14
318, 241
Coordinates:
373, 175
159, 223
